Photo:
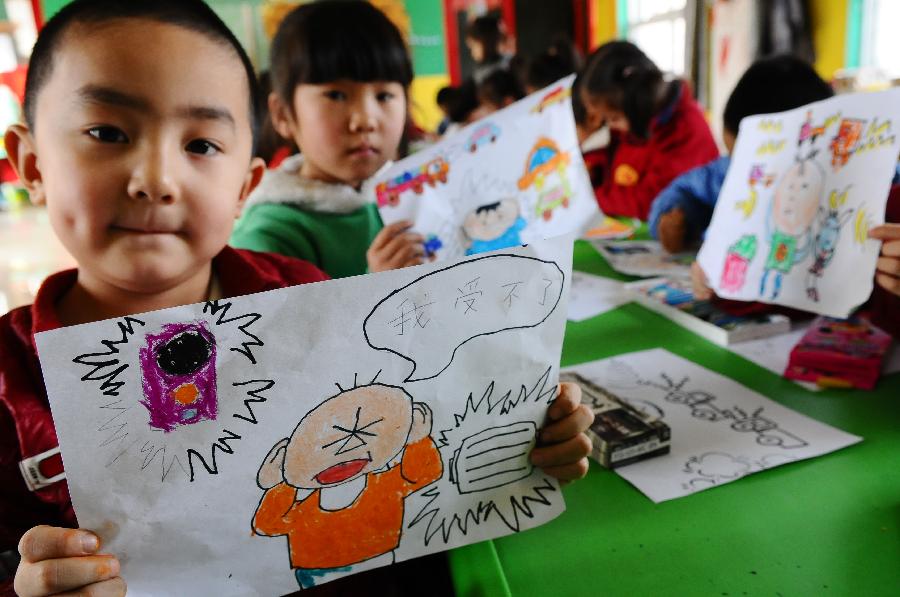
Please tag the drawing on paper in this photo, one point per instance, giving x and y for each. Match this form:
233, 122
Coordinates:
430, 173
845, 142
737, 261
545, 170
178, 370
758, 179
825, 244
494, 226
556, 96
485, 455
349, 465
484, 134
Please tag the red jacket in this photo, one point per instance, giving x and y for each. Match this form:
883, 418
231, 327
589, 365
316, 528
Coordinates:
884, 307
679, 140
26, 426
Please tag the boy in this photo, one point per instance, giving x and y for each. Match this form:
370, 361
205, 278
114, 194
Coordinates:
139, 141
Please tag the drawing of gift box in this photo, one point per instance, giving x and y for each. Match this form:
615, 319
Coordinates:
178, 371
737, 261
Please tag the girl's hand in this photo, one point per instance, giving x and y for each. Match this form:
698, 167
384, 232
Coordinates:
702, 291
56, 559
672, 230
563, 445
395, 247
888, 266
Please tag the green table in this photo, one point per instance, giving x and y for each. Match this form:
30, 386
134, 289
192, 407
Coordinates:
825, 526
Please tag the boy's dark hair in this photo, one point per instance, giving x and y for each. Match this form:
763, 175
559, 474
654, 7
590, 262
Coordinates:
559, 60
463, 102
193, 15
620, 74
579, 112
325, 41
445, 95
773, 84
488, 31
499, 86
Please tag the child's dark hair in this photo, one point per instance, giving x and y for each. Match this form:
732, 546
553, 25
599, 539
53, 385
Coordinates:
620, 74
499, 86
193, 15
488, 31
559, 60
462, 102
325, 41
773, 84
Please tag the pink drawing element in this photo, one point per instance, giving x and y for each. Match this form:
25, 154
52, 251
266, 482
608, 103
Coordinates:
734, 272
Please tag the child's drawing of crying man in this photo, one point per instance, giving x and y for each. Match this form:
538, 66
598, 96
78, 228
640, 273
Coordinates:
331, 487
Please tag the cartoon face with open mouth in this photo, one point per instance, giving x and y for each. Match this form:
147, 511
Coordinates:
353, 433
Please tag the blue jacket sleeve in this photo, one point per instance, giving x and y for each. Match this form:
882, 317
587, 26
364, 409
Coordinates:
695, 192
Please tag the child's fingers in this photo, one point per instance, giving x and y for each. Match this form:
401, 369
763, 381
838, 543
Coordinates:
699, 283
885, 232
114, 587
568, 472
569, 426
887, 265
889, 283
563, 453
568, 397
388, 233
46, 542
405, 254
891, 249
403, 241
53, 576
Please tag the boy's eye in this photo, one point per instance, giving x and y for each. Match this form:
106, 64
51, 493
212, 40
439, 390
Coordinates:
334, 94
202, 147
107, 134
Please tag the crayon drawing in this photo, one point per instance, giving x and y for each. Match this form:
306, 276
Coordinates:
794, 231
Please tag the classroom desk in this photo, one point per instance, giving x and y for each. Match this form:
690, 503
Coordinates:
825, 526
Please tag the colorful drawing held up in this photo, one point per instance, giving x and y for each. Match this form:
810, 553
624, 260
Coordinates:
802, 191
512, 178
299, 435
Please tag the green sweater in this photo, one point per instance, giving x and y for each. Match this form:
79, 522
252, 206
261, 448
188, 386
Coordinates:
328, 225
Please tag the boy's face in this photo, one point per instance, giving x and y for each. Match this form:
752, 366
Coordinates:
797, 197
491, 223
346, 130
141, 151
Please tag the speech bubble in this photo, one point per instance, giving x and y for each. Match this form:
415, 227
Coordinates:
428, 320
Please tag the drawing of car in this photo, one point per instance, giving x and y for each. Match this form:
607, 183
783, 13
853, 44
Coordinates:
484, 134
555, 96
430, 173
545, 160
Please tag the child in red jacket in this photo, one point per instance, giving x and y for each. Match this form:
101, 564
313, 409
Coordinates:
142, 176
658, 129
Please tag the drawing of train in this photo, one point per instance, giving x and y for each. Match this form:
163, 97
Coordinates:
430, 173
555, 96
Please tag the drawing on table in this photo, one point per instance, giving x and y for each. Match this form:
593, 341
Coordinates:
484, 456
178, 371
715, 468
494, 226
336, 474
825, 244
545, 170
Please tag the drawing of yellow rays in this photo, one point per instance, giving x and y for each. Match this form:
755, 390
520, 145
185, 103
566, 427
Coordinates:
835, 200
770, 147
770, 126
876, 130
747, 205
832, 119
861, 227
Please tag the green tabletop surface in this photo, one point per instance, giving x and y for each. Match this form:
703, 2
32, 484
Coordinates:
825, 526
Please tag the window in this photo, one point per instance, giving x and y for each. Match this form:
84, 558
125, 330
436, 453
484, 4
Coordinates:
879, 42
658, 28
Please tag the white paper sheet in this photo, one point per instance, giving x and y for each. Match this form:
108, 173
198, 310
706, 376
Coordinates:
721, 430
173, 423
644, 258
513, 177
774, 352
592, 295
802, 191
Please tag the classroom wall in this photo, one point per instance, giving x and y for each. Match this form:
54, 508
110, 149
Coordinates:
829, 28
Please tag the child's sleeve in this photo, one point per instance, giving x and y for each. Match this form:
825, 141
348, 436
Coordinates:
272, 515
421, 464
695, 192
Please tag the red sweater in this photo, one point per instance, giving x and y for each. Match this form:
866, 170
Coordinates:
26, 425
679, 140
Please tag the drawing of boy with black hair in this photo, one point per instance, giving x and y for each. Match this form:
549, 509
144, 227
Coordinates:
494, 226
331, 487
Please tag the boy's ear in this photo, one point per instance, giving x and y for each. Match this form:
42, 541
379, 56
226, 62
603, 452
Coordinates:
281, 116
22, 154
251, 180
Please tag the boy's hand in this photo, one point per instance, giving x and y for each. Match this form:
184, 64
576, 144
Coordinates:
888, 265
563, 445
701, 289
56, 560
672, 230
395, 247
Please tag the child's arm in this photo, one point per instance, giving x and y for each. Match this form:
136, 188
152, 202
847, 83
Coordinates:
887, 273
395, 247
55, 559
564, 447
699, 283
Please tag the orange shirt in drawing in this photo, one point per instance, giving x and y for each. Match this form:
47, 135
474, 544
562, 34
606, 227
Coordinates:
369, 527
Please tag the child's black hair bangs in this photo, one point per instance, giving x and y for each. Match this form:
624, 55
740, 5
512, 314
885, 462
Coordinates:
359, 55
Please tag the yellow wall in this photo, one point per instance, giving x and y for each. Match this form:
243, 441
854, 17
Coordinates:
829, 28
423, 105
604, 13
